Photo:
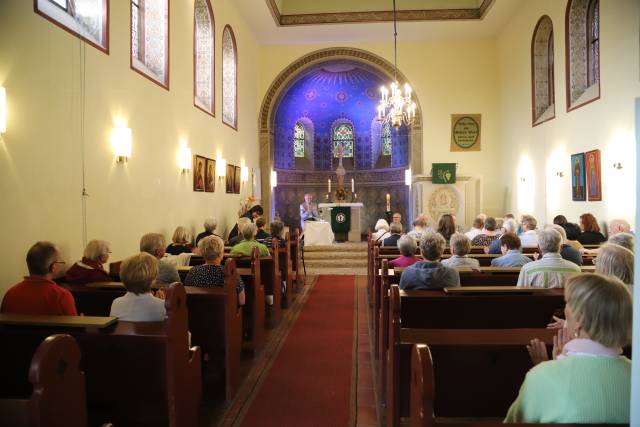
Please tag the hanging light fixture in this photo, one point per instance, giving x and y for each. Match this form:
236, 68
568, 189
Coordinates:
395, 106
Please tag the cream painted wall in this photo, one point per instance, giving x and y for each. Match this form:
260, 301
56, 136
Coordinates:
41, 153
448, 78
606, 124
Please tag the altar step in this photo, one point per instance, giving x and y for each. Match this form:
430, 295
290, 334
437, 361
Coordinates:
339, 258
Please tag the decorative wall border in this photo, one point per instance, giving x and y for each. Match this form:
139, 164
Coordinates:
377, 16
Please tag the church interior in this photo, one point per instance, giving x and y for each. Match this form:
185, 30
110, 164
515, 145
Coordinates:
363, 169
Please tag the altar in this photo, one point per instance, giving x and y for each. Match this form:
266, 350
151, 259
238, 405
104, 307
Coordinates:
355, 208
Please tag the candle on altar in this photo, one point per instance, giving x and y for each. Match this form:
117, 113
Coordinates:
353, 185
388, 202
329, 185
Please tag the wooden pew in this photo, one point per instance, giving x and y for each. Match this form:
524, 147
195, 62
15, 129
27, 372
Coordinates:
417, 310
58, 398
296, 260
423, 397
137, 373
286, 272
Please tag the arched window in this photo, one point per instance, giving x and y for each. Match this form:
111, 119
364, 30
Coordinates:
385, 138
298, 140
542, 71
229, 78
583, 52
343, 135
150, 39
203, 56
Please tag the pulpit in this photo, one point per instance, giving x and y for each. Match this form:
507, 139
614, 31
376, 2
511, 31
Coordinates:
353, 234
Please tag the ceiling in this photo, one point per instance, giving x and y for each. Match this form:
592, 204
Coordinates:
260, 17
307, 12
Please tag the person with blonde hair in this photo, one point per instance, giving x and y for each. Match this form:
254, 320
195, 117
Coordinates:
180, 243
589, 381
211, 274
139, 273
615, 261
90, 268
551, 270
460, 247
248, 242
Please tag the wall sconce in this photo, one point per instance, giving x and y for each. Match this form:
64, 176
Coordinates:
407, 177
221, 168
274, 179
3, 110
184, 157
121, 142
617, 165
244, 173
560, 174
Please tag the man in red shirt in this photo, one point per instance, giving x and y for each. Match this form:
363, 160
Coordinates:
38, 293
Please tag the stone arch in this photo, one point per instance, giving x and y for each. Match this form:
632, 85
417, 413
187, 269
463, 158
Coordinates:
295, 70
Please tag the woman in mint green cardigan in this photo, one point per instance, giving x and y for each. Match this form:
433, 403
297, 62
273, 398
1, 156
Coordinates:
589, 381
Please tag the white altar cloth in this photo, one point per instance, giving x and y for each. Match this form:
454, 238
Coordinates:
317, 233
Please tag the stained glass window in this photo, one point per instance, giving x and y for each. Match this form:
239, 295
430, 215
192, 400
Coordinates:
298, 140
150, 39
386, 139
542, 67
203, 56
582, 28
343, 135
85, 18
229, 78
593, 38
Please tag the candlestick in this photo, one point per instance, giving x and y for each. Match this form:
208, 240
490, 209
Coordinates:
388, 202
329, 186
353, 185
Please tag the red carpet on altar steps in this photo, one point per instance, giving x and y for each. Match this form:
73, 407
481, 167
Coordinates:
309, 383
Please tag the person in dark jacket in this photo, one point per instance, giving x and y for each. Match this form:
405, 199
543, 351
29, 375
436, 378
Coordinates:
396, 232
591, 234
430, 273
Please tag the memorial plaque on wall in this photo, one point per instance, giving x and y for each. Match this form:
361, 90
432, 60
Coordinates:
465, 132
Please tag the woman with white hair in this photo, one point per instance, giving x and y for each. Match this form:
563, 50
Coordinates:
615, 261
407, 246
90, 268
509, 226
210, 225
589, 380
381, 231
180, 242
460, 247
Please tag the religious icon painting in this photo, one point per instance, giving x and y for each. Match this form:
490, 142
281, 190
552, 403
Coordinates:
236, 180
592, 168
231, 173
198, 172
578, 184
210, 176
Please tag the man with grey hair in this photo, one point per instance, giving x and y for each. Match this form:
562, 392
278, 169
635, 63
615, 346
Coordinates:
430, 273
154, 244
529, 236
626, 240
396, 232
550, 271
509, 226
460, 246
567, 251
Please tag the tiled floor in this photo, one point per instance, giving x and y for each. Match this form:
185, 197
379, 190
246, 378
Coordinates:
366, 415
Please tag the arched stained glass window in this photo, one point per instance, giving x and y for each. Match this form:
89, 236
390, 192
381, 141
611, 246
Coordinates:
229, 78
203, 57
343, 135
542, 71
385, 137
298, 140
593, 42
150, 39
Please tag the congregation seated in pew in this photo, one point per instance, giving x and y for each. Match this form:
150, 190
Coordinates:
407, 247
488, 235
38, 293
460, 247
395, 232
589, 380
210, 225
153, 244
139, 304
211, 273
90, 268
276, 228
180, 243
249, 241
430, 273
551, 270
509, 226
511, 252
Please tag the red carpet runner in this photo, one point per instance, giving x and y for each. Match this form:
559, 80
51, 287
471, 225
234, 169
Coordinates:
309, 383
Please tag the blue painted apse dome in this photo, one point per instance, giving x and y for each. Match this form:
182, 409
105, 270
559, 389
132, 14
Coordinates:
336, 103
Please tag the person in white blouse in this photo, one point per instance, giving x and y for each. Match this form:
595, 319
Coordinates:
529, 236
476, 229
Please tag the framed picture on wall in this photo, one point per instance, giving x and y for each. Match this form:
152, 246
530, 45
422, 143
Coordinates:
592, 169
236, 180
198, 172
578, 190
231, 173
210, 176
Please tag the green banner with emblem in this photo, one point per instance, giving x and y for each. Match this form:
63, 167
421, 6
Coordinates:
443, 173
341, 219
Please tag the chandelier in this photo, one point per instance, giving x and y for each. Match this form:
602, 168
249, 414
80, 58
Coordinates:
396, 106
